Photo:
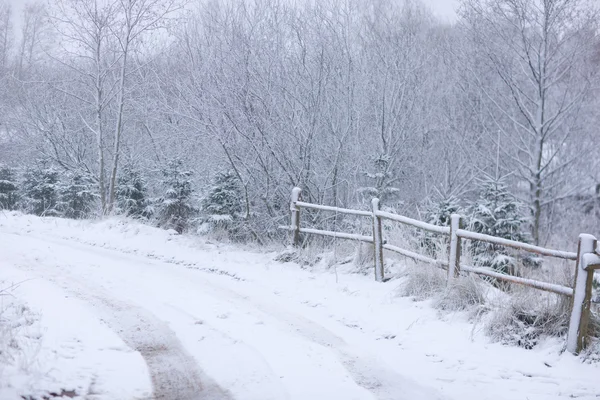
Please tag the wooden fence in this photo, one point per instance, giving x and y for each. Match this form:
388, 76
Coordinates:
587, 259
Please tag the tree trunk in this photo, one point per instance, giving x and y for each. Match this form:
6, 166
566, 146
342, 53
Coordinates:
118, 129
99, 131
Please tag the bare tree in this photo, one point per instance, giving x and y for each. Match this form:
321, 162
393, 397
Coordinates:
34, 31
6, 35
134, 19
539, 50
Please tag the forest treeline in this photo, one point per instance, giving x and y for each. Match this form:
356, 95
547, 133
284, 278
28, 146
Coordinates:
207, 113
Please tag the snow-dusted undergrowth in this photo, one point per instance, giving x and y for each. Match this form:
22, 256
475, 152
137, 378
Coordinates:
20, 339
521, 316
513, 315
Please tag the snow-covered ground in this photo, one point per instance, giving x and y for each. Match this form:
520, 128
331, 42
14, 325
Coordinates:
117, 310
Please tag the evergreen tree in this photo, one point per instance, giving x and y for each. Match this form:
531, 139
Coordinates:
381, 181
9, 190
76, 196
438, 213
496, 213
132, 197
223, 205
224, 198
40, 191
175, 208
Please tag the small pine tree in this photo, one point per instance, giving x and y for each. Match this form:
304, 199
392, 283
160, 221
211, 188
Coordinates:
132, 197
438, 213
40, 191
76, 196
175, 208
224, 198
223, 205
9, 190
496, 213
381, 181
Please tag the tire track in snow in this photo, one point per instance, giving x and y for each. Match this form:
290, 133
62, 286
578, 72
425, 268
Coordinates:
174, 373
365, 370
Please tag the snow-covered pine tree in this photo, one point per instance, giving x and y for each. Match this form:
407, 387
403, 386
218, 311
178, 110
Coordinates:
175, 208
132, 196
438, 213
224, 197
381, 181
223, 204
40, 191
9, 189
76, 196
496, 212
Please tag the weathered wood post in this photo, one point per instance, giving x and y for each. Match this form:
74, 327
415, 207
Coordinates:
454, 253
295, 221
377, 241
582, 295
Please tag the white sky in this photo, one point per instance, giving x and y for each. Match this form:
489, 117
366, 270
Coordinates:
444, 9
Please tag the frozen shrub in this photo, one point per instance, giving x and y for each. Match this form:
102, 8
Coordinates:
363, 257
423, 281
464, 293
529, 316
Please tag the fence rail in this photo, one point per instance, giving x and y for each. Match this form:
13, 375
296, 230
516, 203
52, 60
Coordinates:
587, 259
517, 245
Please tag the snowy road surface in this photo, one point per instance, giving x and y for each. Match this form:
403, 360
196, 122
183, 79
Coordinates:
199, 321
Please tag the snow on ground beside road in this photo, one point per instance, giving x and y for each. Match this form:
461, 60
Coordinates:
67, 349
247, 327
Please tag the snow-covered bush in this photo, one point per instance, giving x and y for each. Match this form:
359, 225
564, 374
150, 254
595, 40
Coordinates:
77, 195
132, 194
39, 191
9, 190
20, 335
364, 254
464, 292
175, 208
496, 212
423, 281
526, 316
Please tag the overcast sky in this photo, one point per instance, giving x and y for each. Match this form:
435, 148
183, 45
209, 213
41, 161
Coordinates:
444, 9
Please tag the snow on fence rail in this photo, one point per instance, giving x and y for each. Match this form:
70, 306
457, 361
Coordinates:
587, 259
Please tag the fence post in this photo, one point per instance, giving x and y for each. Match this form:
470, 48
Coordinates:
295, 222
454, 253
377, 241
582, 296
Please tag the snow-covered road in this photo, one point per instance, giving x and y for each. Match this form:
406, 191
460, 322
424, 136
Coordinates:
269, 351
214, 323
